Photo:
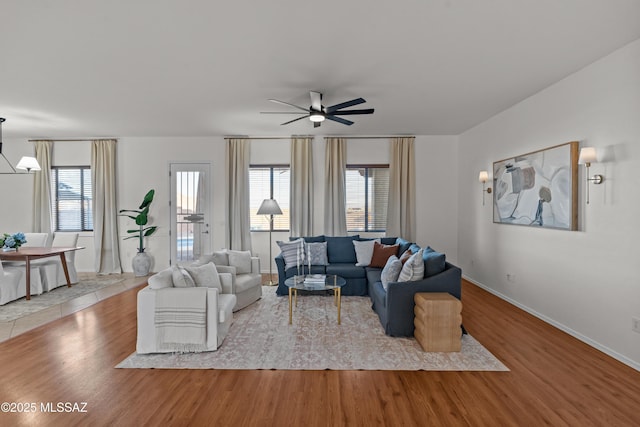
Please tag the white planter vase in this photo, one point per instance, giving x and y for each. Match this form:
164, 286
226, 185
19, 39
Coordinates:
141, 264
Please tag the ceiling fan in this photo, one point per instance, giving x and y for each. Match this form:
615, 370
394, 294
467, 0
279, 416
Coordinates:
317, 112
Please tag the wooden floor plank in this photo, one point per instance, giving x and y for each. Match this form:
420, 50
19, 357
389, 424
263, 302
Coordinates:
554, 380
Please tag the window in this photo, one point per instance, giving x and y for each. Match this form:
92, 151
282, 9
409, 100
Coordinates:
367, 189
71, 195
269, 182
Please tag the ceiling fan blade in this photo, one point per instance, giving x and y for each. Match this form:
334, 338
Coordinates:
353, 102
339, 120
316, 101
306, 110
283, 112
350, 112
294, 120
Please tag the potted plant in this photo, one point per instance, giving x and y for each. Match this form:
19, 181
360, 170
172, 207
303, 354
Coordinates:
142, 261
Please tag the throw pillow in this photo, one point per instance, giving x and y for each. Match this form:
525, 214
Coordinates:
434, 262
162, 279
405, 256
404, 245
217, 257
391, 271
317, 253
381, 254
181, 279
364, 251
292, 252
241, 260
341, 250
413, 269
205, 276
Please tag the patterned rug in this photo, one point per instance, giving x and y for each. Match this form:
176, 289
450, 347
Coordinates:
20, 308
261, 338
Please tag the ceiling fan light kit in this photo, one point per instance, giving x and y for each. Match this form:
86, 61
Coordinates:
317, 112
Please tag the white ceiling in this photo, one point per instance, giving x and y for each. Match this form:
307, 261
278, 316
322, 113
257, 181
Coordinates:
90, 68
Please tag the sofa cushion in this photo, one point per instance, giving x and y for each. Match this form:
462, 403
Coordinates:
381, 254
405, 256
241, 260
347, 271
373, 274
340, 249
247, 281
434, 262
162, 279
403, 245
317, 253
205, 276
310, 239
413, 269
292, 252
388, 240
378, 296
216, 257
364, 251
181, 279
391, 271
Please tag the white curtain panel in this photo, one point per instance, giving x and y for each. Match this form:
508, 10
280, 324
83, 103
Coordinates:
401, 211
335, 198
238, 224
42, 189
105, 210
301, 192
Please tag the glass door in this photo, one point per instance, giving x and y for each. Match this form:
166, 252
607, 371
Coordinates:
190, 211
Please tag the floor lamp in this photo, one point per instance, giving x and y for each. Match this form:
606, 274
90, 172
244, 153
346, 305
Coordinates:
269, 207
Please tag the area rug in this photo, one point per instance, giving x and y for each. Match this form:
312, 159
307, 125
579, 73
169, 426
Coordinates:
261, 338
22, 307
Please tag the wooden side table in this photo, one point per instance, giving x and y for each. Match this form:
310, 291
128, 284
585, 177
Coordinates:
437, 321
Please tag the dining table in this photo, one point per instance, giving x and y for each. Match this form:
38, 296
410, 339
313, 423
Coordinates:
29, 253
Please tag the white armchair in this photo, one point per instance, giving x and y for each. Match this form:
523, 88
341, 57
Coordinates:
219, 306
36, 280
245, 272
51, 269
10, 280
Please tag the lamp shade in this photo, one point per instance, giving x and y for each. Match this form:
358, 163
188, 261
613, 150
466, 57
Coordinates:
587, 155
269, 207
483, 177
28, 164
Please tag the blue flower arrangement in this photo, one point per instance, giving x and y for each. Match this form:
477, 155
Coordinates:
9, 242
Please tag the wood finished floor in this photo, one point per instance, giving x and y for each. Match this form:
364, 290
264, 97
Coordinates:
554, 380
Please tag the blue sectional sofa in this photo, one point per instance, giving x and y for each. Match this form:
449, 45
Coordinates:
395, 305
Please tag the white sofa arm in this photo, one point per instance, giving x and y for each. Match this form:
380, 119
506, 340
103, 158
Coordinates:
227, 281
255, 265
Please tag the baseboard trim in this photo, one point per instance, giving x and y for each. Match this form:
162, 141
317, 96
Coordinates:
606, 350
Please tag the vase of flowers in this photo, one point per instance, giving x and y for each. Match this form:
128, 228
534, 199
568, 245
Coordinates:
11, 242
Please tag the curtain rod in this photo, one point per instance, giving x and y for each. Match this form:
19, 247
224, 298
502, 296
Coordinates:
68, 140
324, 136
268, 137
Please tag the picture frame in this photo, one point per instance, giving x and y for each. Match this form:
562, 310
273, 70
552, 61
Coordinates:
538, 189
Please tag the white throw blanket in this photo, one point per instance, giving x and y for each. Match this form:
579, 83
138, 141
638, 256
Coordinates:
180, 319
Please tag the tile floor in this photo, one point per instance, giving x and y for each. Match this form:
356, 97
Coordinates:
26, 323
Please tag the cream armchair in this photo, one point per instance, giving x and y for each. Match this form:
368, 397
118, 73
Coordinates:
11, 280
246, 282
219, 305
51, 269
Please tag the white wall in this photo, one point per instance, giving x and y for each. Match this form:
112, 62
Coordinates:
586, 282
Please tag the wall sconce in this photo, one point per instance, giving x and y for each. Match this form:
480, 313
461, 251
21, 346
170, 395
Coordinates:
587, 156
26, 163
483, 178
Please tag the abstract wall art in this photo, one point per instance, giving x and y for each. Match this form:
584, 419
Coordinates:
538, 189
